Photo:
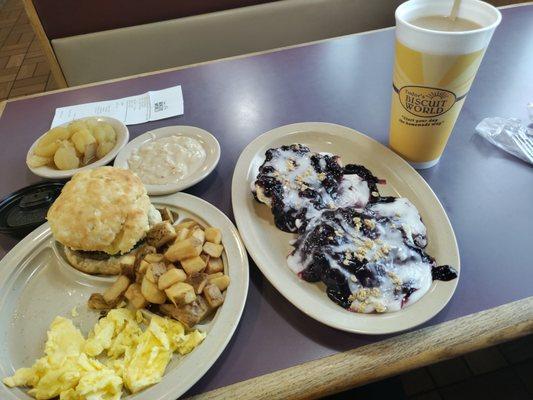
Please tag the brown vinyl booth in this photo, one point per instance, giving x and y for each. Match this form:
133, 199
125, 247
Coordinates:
88, 41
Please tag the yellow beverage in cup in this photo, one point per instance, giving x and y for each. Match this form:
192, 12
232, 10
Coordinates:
433, 71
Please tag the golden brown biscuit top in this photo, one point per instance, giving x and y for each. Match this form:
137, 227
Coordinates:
103, 209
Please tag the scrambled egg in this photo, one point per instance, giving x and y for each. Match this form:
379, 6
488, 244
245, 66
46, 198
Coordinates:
127, 357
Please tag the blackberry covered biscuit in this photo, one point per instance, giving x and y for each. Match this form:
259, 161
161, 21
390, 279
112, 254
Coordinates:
368, 263
368, 250
298, 185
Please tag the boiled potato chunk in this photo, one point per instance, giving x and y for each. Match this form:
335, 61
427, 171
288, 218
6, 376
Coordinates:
110, 132
82, 138
91, 123
80, 143
103, 149
99, 134
54, 135
89, 155
76, 126
38, 161
104, 133
68, 144
66, 158
46, 150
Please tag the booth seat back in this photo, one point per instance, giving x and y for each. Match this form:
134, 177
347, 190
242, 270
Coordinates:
131, 50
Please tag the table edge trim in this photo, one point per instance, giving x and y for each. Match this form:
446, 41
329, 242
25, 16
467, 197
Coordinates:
388, 357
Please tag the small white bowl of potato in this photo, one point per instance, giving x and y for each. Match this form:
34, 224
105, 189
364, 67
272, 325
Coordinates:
77, 145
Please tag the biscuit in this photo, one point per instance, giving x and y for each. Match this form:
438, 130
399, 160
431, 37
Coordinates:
108, 266
298, 185
104, 209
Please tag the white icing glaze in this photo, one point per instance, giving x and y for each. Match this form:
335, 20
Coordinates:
401, 263
167, 159
260, 193
403, 212
353, 191
297, 263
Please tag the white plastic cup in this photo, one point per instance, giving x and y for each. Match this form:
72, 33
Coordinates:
433, 72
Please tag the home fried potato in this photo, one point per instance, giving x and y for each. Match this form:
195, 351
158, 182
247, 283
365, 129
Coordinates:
214, 265
222, 282
181, 276
181, 293
116, 290
213, 235
151, 292
213, 295
169, 278
214, 250
135, 297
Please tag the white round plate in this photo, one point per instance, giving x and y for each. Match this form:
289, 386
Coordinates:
36, 286
123, 135
269, 246
208, 141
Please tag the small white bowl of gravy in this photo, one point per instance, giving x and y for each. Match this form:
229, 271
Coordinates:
170, 159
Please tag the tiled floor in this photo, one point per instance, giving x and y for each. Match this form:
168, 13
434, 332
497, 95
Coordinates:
23, 66
503, 372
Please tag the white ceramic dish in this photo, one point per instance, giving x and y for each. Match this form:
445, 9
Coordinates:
208, 142
36, 286
123, 135
269, 246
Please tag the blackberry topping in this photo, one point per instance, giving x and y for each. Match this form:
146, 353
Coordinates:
367, 176
340, 294
367, 249
443, 273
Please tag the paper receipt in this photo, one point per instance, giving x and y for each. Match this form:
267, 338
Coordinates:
150, 106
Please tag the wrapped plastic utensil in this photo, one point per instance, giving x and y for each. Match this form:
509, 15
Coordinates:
508, 134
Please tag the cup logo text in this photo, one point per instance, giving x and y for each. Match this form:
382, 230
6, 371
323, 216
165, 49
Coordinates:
426, 102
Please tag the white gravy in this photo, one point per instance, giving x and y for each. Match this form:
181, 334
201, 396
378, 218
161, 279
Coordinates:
167, 159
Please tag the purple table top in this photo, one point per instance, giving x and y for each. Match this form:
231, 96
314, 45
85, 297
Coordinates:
487, 193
